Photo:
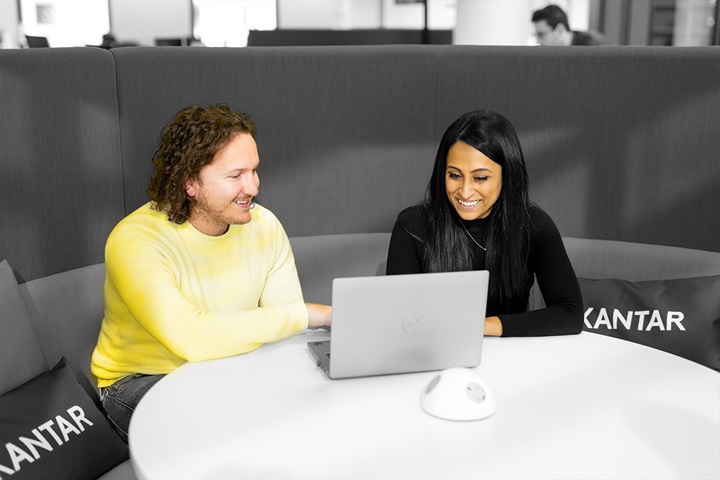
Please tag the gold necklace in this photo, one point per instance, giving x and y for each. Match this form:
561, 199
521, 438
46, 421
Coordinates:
471, 237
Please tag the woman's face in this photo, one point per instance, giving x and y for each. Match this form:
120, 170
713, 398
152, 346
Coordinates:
472, 181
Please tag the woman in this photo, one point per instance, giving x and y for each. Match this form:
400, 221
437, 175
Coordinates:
477, 216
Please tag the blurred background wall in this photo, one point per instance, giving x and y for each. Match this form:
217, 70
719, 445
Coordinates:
228, 22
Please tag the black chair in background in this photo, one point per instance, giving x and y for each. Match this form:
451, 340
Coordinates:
176, 42
37, 42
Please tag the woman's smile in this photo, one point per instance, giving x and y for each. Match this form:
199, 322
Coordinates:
469, 205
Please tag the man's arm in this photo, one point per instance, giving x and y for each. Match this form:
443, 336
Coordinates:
201, 312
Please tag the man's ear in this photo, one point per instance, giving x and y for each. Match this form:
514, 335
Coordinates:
190, 188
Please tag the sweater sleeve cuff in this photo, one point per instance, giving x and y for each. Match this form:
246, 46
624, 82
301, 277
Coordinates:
301, 313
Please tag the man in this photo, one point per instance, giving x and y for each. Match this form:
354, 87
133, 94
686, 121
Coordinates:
552, 29
200, 272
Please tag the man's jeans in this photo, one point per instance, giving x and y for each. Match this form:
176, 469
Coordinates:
120, 399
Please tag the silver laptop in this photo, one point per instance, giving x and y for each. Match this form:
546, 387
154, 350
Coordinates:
404, 323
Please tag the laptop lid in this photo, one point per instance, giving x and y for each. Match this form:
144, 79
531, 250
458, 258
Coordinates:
405, 323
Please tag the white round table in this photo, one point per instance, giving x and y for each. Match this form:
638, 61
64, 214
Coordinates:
575, 407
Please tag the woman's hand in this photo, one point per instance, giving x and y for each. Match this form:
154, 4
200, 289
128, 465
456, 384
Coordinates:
493, 327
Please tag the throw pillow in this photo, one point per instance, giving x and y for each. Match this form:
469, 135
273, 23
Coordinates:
52, 429
680, 316
21, 357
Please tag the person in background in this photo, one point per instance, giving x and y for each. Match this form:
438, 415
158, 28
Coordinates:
552, 29
477, 216
201, 271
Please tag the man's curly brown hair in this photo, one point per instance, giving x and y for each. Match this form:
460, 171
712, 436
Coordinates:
189, 142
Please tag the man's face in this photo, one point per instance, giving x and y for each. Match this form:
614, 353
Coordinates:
224, 189
547, 36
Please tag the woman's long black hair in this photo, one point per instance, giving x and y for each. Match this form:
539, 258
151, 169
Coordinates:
509, 221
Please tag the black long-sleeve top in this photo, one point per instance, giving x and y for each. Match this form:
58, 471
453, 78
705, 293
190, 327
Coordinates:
547, 260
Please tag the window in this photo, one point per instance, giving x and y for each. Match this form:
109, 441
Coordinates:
66, 23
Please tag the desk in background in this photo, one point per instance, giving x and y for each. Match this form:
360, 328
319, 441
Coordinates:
585, 406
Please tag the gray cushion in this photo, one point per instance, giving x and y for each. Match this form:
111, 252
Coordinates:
52, 429
21, 357
67, 309
679, 316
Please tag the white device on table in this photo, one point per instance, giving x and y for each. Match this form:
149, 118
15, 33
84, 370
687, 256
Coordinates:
458, 394
404, 323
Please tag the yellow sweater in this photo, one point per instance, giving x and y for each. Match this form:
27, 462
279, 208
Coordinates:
174, 295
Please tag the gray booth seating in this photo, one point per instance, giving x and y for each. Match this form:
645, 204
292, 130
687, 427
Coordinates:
620, 144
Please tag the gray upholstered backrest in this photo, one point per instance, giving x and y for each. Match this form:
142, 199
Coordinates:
637, 262
60, 172
346, 135
620, 142
634, 262
321, 258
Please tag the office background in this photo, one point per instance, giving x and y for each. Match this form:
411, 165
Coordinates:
468, 22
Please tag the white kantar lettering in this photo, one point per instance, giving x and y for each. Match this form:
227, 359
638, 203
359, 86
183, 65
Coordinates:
625, 321
655, 321
39, 441
641, 320
17, 455
78, 415
47, 426
675, 318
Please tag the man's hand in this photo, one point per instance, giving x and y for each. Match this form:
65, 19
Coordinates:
319, 315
